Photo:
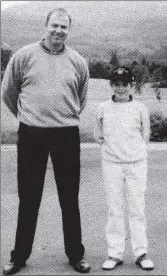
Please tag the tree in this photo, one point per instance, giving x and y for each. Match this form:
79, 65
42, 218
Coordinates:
134, 63
159, 80
114, 61
141, 74
99, 69
153, 67
143, 61
6, 54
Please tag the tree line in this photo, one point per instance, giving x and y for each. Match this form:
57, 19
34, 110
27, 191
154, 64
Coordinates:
144, 71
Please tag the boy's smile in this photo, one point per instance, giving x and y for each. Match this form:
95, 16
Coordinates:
121, 91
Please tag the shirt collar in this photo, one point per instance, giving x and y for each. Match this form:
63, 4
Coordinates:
130, 98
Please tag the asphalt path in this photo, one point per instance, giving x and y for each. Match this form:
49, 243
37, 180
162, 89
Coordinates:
48, 256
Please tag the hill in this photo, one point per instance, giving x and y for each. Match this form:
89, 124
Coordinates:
136, 28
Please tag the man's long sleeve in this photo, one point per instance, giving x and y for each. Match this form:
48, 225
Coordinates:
11, 85
98, 129
83, 87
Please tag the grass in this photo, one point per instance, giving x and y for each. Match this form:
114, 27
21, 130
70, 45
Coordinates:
99, 91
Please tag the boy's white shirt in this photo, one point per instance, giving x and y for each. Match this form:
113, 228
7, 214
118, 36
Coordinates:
123, 130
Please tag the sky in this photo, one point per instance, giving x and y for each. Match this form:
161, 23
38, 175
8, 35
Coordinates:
7, 4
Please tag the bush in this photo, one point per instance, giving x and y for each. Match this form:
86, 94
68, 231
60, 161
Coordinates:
158, 128
160, 84
9, 137
163, 84
99, 69
141, 75
6, 54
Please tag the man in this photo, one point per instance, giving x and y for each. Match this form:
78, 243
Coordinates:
45, 87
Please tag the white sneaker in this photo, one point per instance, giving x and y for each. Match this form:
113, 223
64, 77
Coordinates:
111, 263
144, 262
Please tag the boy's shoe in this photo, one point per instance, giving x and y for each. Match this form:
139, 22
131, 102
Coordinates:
144, 262
80, 266
111, 263
12, 268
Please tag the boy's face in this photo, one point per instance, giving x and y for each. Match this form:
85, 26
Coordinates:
121, 90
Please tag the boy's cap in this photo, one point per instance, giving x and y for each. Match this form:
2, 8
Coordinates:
122, 74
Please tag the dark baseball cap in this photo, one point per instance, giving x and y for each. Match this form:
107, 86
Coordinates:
123, 74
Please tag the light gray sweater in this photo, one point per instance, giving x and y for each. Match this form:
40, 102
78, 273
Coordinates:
44, 89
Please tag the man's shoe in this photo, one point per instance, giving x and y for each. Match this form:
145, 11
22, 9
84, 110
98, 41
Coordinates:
144, 262
111, 263
80, 266
12, 268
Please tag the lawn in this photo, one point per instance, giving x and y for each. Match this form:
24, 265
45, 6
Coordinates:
98, 91
48, 256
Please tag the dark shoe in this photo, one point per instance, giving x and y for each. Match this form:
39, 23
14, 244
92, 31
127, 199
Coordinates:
144, 262
12, 268
80, 266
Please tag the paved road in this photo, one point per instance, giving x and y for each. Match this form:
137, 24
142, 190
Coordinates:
48, 256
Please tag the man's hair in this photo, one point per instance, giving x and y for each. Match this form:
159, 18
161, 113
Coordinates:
59, 11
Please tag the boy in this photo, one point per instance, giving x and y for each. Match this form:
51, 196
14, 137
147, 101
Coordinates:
123, 129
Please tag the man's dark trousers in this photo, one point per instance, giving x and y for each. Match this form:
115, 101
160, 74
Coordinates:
34, 146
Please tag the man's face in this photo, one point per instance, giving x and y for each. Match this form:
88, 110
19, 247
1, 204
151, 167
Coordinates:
57, 29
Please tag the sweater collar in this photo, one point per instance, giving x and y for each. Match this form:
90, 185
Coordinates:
130, 98
46, 49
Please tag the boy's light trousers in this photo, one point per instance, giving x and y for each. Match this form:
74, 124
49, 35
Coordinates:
125, 180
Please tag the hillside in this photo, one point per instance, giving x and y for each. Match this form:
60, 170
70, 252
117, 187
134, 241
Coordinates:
136, 28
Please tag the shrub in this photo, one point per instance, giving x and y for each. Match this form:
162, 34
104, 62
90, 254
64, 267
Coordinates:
158, 127
141, 75
160, 84
6, 54
9, 137
159, 77
99, 69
